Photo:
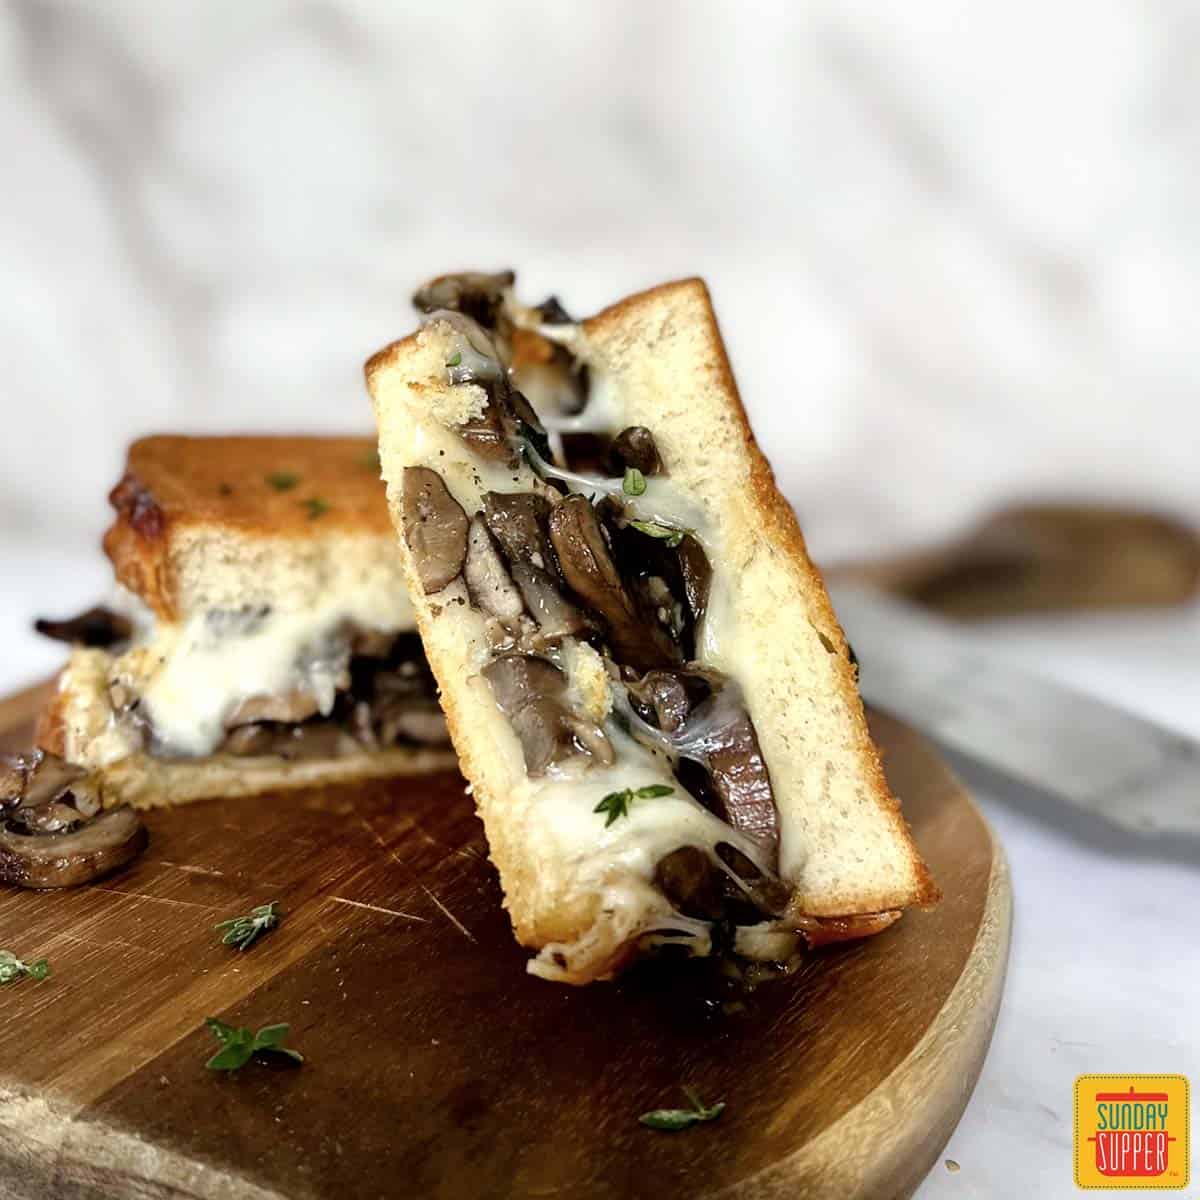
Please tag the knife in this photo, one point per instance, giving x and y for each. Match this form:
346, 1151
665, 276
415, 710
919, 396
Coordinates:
1130, 771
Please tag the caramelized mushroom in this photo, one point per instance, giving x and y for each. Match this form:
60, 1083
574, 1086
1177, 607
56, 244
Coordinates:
518, 521
435, 528
490, 586
699, 714
50, 833
587, 565
634, 447
476, 293
96, 848
556, 616
517, 679
98, 627
690, 880
696, 571
530, 691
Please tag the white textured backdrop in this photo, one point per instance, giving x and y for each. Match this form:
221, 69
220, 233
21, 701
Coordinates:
954, 246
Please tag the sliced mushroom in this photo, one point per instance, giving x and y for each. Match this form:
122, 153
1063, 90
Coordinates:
518, 679
530, 691
587, 564
435, 528
290, 707
98, 627
555, 615
96, 848
552, 312
696, 571
634, 447
423, 723
476, 293
692, 882
717, 732
50, 833
518, 521
488, 582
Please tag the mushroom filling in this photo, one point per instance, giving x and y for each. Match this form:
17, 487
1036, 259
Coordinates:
388, 698
98, 627
53, 833
366, 691
595, 560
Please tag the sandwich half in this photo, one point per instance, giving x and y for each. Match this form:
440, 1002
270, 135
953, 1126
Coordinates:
261, 636
642, 674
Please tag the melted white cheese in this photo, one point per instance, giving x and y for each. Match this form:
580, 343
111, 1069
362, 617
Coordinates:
195, 675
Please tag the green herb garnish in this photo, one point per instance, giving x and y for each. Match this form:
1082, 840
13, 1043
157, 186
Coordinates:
616, 804
634, 483
12, 968
674, 1119
316, 507
454, 359
652, 529
370, 459
239, 1046
243, 932
283, 481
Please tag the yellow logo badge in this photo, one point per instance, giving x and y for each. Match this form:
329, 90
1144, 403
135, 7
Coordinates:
1131, 1131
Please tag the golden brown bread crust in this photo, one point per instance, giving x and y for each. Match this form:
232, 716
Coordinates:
780, 525
174, 484
50, 733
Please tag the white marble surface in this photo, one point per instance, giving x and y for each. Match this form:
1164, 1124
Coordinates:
954, 247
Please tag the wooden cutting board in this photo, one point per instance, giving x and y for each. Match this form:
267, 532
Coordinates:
435, 1065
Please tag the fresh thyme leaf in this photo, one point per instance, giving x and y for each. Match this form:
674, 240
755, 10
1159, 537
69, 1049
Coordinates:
634, 483
653, 791
616, 804
283, 481
671, 1120
454, 359
316, 507
243, 932
12, 968
652, 529
239, 1046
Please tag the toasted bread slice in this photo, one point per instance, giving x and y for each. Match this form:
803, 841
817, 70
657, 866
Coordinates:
266, 600
218, 522
581, 889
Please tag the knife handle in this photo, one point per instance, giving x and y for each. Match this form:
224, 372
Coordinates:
1046, 558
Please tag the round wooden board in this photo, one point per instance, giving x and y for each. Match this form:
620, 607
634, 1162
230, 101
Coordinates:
435, 1065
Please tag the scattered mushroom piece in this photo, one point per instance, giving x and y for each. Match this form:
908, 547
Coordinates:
435, 528
518, 521
98, 627
59, 860
517, 679
52, 833
556, 616
587, 565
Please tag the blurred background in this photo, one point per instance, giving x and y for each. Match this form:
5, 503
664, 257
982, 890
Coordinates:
953, 246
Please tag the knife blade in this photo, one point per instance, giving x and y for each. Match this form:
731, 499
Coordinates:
1132, 772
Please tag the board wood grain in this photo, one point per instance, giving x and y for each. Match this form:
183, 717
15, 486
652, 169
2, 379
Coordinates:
435, 1065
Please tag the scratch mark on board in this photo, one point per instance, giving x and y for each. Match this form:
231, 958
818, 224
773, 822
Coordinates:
391, 912
453, 919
